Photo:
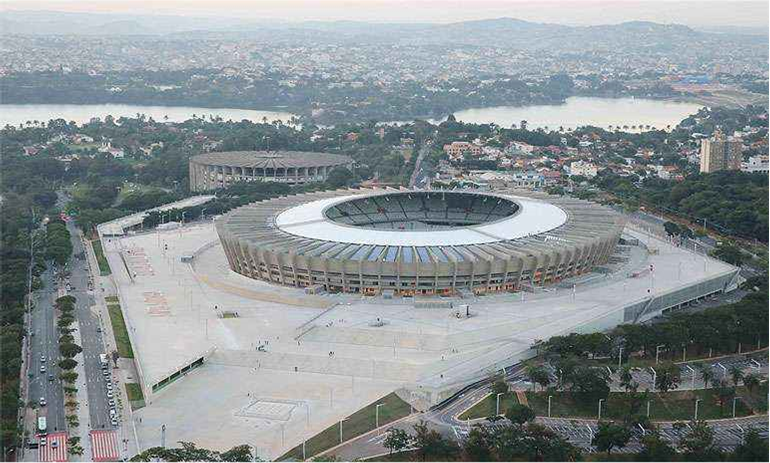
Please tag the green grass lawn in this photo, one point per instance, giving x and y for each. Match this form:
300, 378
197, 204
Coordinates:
487, 407
672, 406
120, 331
134, 392
104, 267
356, 424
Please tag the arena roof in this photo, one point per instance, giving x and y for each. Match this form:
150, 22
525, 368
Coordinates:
533, 217
271, 159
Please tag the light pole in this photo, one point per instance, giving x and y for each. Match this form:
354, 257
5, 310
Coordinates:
697, 402
648, 408
654, 378
735, 401
724, 370
549, 406
657, 352
377, 417
163, 436
600, 409
341, 428
743, 433
620, 356
692, 372
497, 402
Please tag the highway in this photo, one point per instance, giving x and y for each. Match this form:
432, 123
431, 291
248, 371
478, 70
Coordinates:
90, 333
44, 341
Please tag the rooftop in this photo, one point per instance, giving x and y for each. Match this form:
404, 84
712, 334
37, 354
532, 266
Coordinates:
271, 159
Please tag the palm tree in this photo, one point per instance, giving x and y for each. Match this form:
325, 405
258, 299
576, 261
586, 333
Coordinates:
736, 374
707, 374
752, 381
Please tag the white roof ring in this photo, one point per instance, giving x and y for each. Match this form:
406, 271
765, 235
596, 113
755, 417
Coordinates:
533, 217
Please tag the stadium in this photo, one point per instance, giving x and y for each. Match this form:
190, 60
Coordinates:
218, 170
410, 243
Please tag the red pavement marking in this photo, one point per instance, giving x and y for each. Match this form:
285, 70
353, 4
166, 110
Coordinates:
104, 446
48, 452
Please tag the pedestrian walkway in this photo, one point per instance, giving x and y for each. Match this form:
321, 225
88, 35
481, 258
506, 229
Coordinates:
55, 448
522, 396
104, 446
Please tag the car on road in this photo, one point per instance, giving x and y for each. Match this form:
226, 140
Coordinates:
42, 368
54, 444
109, 394
42, 358
114, 421
50, 377
42, 402
43, 441
111, 403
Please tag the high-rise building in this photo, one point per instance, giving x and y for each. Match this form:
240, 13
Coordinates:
720, 153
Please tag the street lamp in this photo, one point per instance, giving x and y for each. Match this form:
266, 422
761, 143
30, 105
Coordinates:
657, 352
549, 406
497, 407
654, 378
692, 371
735, 401
377, 417
697, 401
620, 356
600, 409
344, 419
724, 370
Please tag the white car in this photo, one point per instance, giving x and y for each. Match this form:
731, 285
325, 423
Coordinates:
42, 358
42, 401
109, 394
114, 421
43, 441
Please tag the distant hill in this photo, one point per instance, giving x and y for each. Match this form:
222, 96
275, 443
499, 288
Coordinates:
509, 32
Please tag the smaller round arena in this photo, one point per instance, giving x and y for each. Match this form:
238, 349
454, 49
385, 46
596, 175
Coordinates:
212, 171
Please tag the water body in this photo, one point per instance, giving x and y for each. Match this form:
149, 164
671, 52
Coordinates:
579, 112
16, 114
582, 111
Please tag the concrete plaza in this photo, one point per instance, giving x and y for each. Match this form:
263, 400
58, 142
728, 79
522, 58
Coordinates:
280, 366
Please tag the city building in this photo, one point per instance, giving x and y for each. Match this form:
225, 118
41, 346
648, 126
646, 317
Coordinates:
720, 153
586, 169
219, 169
457, 149
417, 242
756, 164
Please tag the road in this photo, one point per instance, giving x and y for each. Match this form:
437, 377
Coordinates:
44, 341
579, 432
90, 333
419, 178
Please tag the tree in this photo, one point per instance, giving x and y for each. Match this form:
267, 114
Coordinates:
396, 440
627, 380
725, 393
729, 253
655, 448
430, 443
499, 386
68, 364
706, 374
477, 446
69, 350
592, 382
238, 453
668, 377
609, 436
519, 414
698, 443
753, 447
752, 382
68, 376
537, 374
340, 177
672, 228
736, 374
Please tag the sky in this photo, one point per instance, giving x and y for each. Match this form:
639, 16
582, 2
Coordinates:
576, 12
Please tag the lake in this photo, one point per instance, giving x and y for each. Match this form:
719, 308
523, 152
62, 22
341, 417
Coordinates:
16, 114
581, 111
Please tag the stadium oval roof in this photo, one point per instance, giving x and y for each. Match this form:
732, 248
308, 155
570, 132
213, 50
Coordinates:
271, 159
532, 217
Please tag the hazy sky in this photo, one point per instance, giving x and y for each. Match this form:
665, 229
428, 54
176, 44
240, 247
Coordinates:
690, 12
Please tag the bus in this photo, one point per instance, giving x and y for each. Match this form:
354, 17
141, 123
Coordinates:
103, 359
42, 425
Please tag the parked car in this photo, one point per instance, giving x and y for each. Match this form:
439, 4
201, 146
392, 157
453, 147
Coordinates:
42, 402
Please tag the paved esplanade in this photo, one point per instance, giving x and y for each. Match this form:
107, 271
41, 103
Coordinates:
323, 357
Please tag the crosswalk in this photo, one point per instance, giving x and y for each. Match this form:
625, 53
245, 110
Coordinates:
55, 448
104, 446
